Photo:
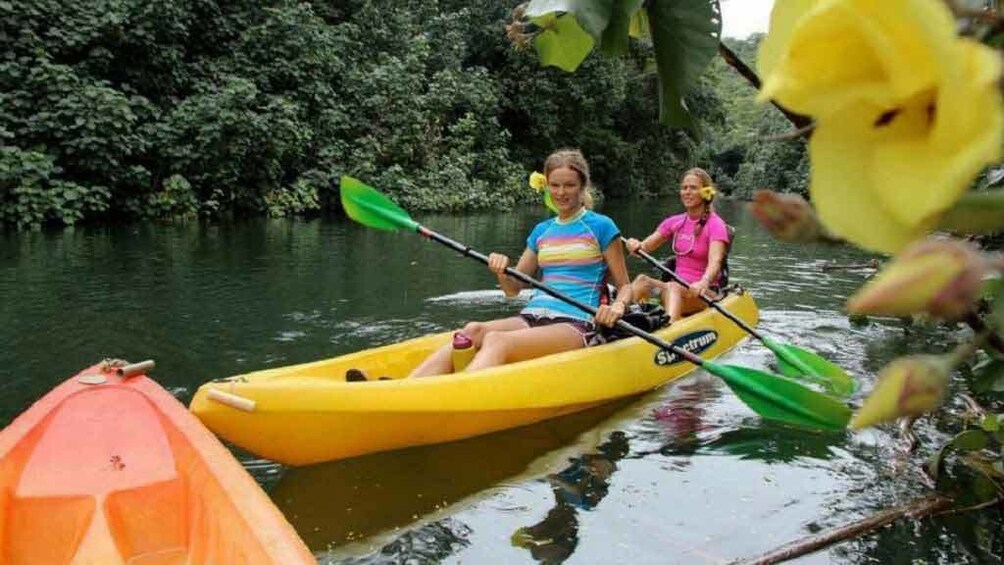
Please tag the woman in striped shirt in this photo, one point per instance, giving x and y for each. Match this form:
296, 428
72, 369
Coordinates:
574, 252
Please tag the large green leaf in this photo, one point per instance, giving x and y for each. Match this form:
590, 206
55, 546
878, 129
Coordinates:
685, 34
970, 440
563, 43
615, 37
988, 375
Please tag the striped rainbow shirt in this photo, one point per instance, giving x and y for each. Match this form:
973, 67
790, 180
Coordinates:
570, 257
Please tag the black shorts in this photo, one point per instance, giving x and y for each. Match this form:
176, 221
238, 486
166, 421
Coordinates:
586, 329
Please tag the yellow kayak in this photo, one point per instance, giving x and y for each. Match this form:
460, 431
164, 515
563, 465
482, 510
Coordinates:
308, 413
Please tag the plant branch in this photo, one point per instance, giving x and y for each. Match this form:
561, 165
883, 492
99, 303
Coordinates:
918, 508
979, 506
973, 406
794, 134
908, 439
974, 321
733, 60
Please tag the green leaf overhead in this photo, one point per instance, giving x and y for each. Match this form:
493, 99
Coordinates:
593, 15
563, 43
615, 37
685, 34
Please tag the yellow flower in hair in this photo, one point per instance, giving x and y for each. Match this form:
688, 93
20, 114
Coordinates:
538, 181
708, 193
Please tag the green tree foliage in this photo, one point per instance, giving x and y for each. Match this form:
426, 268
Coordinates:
172, 108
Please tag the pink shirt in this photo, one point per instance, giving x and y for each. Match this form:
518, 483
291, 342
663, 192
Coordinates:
692, 254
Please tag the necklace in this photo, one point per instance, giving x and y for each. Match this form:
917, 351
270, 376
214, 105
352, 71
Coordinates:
685, 237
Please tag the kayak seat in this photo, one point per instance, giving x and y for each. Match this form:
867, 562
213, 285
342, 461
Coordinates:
43, 529
148, 523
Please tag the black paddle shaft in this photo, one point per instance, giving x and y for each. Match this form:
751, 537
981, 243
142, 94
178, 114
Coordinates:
523, 277
739, 322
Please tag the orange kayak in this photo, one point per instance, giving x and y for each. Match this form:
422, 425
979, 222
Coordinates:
112, 469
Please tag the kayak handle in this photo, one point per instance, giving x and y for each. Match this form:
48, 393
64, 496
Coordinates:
135, 369
234, 401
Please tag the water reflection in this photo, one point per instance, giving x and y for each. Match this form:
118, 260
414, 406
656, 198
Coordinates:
431, 543
336, 503
680, 421
774, 443
580, 486
951, 538
683, 430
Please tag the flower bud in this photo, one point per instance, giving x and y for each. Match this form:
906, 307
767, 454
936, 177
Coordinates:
909, 386
787, 217
940, 278
538, 181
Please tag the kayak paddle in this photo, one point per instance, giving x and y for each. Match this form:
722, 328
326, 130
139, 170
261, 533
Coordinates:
794, 362
772, 396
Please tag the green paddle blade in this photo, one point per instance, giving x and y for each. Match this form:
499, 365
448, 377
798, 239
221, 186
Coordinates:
370, 208
797, 363
778, 398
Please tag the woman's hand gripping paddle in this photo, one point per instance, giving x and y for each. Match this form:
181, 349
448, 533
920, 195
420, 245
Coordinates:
772, 396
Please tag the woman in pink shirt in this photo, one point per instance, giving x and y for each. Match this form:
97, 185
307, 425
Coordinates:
699, 240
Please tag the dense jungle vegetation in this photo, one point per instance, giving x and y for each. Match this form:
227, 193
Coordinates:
181, 108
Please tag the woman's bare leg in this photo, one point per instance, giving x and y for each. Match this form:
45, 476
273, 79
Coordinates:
641, 287
666, 296
504, 347
441, 361
681, 303
692, 304
674, 304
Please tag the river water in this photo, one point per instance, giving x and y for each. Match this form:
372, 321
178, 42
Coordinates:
685, 474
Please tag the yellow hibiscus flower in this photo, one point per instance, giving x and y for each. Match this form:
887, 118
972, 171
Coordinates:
538, 181
906, 112
708, 193
823, 54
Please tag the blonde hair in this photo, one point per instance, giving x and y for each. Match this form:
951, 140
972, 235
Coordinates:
706, 180
573, 159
